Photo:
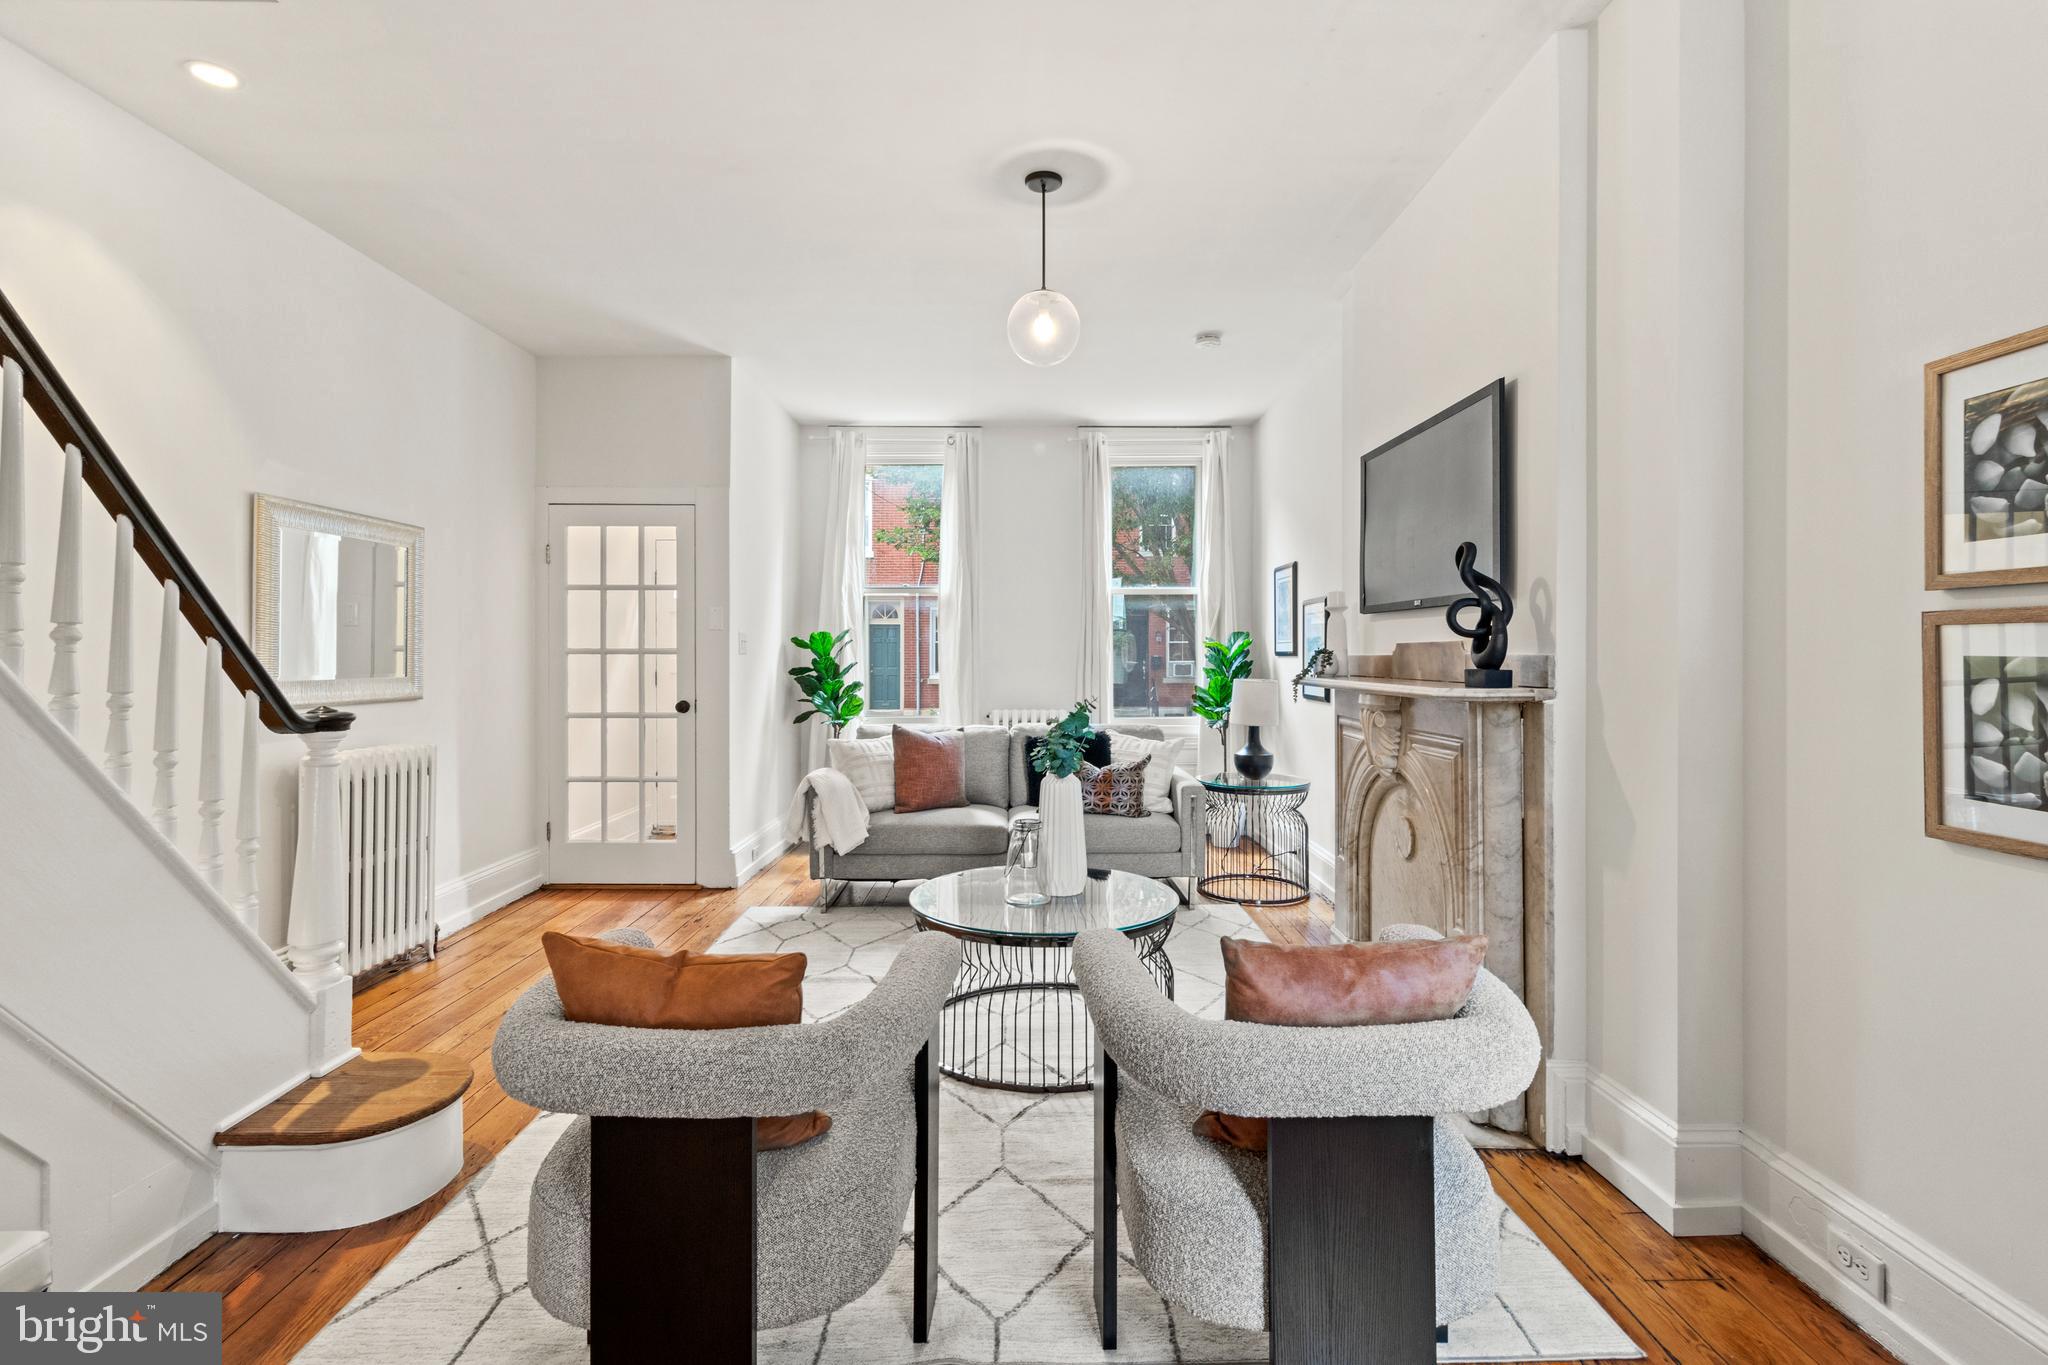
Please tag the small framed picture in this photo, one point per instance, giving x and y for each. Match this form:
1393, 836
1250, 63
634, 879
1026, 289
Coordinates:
1984, 717
1315, 621
1986, 421
1283, 609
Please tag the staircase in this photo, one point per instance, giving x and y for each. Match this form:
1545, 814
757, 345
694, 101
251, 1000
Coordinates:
167, 1073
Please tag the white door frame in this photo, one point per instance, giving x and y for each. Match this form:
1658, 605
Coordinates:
709, 762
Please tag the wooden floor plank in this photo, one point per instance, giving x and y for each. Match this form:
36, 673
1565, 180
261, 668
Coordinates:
1712, 1300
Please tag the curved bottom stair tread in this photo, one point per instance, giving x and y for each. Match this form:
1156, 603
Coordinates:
371, 1094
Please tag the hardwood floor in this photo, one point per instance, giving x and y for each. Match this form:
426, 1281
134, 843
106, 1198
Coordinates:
1715, 1299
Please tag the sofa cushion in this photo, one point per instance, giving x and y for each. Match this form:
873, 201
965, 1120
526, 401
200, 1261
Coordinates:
870, 764
988, 765
1117, 790
931, 768
1125, 747
954, 830
1119, 834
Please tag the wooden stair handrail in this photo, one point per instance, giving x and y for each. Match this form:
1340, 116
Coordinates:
65, 418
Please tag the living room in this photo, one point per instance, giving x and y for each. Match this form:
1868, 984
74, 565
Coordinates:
622, 356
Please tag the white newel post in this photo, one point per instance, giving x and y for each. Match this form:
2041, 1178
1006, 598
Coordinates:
165, 737
120, 656
13, 542
67, 612
212, 793
318, 914
248, 835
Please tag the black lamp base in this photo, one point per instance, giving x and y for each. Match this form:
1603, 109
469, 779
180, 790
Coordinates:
1489, 677
1254, 760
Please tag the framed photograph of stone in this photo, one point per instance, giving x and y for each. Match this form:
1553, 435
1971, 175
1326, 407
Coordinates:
1315, 621
1284, 642
1984, 717
1986, 429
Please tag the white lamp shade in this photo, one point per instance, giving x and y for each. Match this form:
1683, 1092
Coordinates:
1044, 327
1255, 701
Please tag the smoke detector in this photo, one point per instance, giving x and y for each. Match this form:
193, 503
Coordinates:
1208, 341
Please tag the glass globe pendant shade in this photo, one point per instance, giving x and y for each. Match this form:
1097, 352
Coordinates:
1044, 327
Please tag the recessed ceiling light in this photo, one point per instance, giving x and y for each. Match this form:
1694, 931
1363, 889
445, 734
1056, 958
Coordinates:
1208, 340
213, 74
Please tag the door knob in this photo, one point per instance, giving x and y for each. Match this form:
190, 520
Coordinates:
682, 708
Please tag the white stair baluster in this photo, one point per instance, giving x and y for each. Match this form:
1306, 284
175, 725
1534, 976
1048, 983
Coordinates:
120, 664
211, 791
319, 913
248, 838
13, 542
166, 736
67, 614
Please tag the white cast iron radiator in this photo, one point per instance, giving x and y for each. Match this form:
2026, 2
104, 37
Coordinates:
387, 813
1016, 717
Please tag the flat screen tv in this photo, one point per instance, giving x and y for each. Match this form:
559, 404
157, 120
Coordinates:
1430, 488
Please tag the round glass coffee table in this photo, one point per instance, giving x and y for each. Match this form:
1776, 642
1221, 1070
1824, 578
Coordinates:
1015, 1020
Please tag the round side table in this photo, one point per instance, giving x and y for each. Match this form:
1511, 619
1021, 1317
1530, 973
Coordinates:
1257, 839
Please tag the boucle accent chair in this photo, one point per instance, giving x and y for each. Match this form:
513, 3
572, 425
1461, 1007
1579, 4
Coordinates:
1367, 1225
910, 846
654, 1223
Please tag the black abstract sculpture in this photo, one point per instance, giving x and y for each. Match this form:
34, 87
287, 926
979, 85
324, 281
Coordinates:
1489, 634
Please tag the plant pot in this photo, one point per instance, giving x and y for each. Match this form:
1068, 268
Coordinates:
1063, 838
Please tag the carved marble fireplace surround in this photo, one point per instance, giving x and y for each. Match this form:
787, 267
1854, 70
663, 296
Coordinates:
1443, 817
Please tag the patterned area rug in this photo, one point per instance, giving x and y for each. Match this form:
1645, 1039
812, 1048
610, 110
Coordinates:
1014, 1239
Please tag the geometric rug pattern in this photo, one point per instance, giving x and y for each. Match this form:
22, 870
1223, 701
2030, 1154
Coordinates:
1015, 1240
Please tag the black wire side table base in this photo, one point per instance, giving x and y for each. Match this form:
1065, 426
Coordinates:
1257, 846
1016, 1020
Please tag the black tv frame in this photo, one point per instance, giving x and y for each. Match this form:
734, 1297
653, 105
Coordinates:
1503, 497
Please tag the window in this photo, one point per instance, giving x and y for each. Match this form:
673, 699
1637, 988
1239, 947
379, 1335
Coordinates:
902, 586
1155, 646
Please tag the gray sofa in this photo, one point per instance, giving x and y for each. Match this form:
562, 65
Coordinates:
923, 844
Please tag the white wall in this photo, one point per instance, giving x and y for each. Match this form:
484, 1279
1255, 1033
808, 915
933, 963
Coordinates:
767, 590
1893, 982
226, 347
660, 429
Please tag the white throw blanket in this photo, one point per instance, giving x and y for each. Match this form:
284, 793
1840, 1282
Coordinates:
842, 815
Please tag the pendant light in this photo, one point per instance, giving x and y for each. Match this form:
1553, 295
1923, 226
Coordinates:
1044, 327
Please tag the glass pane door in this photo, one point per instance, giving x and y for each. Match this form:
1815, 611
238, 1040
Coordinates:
622, 603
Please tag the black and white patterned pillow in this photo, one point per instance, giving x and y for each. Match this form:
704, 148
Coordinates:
1116, 790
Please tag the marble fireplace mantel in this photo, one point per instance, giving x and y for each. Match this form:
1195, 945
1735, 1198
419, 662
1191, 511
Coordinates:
1444, 816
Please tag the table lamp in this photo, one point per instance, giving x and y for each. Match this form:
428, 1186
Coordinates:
1253, 703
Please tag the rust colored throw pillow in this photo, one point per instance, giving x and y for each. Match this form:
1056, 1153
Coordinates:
601, 982
931, 768
1338, 986
1116, 790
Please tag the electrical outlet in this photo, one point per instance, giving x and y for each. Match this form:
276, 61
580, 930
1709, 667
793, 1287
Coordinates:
1862, 1268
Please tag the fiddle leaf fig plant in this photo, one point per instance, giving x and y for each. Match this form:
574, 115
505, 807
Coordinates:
1227, 661
825, 682
1061, 752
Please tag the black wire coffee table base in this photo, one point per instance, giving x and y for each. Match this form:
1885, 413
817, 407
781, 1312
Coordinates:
1016, 1020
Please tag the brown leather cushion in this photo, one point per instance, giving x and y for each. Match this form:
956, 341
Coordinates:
1339, 986
631, 987
931, 768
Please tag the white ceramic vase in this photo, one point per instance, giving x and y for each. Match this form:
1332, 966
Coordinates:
1062, 839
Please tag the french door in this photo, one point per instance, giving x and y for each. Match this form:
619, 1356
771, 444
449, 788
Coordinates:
623, 668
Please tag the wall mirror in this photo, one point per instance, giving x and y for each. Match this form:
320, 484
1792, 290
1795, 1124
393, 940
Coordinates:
337, 603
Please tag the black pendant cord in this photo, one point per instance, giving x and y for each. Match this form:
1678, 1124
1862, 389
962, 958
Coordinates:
1041, 238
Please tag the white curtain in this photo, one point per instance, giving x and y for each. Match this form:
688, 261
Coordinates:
1094, 682
959, 579
844, 560
1215, 576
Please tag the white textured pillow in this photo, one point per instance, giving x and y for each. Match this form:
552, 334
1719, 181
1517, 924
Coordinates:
870, 764
1158, 773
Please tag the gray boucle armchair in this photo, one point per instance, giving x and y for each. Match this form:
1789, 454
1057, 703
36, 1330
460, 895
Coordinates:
654, 1222
1368, 1224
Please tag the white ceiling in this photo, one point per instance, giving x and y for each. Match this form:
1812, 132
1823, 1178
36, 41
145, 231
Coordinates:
814, 186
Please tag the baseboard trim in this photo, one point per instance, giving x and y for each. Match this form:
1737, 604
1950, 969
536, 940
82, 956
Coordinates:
157, 1253
1322, 871
468, 898
770, 842
1564, 1089
1937, 1312
1688, 1177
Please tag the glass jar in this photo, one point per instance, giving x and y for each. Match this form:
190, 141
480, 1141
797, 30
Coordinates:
1023, 878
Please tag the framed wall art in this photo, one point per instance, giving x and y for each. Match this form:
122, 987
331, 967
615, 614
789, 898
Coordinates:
1315, 621
1284, 642
1986, 430
1984, 720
